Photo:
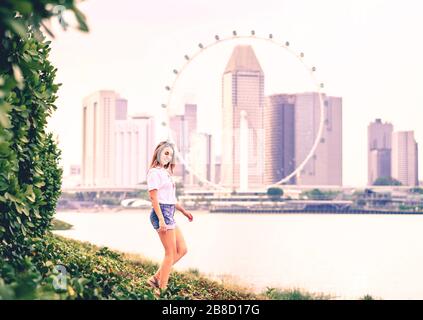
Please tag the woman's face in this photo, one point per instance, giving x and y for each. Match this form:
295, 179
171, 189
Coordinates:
165, 155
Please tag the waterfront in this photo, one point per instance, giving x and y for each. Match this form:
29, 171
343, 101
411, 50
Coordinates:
344, 255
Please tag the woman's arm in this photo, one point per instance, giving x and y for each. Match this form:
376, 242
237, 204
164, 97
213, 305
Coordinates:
185, 213
180, 208
155, 202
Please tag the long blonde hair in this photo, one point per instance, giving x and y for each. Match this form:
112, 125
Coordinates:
154, 163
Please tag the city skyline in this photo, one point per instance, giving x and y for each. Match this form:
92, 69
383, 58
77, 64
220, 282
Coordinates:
242, 90
296, 114
391, 154
116, 148
353, 59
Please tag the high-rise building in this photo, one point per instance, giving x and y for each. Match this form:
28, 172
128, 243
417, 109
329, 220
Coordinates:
279, 124
98, 145
380, 164
75, 170
190, 116
217, 170
72, 178
182, 128
200, 159
121, 109
116, 151
134, 149
379, 150
242, 102
325, 165
404, 158
179, 131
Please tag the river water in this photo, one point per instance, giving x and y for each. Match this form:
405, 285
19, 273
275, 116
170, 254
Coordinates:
346, 256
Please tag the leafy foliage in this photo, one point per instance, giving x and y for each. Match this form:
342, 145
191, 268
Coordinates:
30, 177
317, 194
386, 181
275, 193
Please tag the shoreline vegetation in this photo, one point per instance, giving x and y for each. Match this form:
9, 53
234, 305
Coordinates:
131, 271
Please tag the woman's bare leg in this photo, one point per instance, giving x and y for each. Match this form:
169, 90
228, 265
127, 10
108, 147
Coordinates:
169, 244
181, 249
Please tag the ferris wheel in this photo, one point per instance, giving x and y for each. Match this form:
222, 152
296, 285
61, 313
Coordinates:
189, 58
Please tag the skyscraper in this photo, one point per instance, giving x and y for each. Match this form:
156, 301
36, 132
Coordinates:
179, 131
325, 165
116, 151
182, 128
379, 150
217, 169
200, 158
134, 149
98, 145
380, 164
242, 94
279, 124
121, 109
404, 158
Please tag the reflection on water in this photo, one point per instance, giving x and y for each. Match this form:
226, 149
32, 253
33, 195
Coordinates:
343, 255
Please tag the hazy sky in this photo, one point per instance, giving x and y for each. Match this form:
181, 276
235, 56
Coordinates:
367, 52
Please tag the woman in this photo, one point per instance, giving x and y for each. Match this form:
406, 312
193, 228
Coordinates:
161, 190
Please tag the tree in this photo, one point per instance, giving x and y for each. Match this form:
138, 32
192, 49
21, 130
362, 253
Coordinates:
274, 193
317, 194
386, 181
20, 21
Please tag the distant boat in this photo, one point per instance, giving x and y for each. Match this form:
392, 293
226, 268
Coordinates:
136, 203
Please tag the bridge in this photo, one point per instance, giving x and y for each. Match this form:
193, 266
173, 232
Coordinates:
104, 188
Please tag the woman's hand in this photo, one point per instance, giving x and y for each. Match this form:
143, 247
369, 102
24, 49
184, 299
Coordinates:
184, 212
162, 225
188, 215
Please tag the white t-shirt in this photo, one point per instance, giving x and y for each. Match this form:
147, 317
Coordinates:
160, 179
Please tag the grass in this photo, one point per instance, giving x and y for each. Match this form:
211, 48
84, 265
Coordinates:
60, 225
118, 275
123, 276
295, 294
93, 272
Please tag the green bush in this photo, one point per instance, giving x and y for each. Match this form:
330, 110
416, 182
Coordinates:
386, 181
274, 193
317, 194
30, 178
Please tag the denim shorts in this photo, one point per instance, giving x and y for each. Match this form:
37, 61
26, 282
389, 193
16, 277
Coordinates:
168, 211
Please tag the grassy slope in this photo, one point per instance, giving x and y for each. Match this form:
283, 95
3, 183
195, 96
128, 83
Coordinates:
60, 225
123, 276
114, 270
183, 285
